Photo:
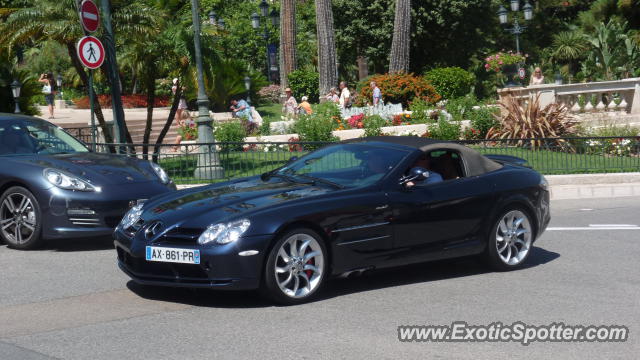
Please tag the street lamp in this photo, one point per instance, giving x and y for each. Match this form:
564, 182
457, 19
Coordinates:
59, 83
208, 166
212, 18
247, 85
255, 23
15, 89
221, 23
517, 29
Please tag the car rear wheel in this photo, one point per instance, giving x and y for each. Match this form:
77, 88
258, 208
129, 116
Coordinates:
510, 240
20, 219
296, 266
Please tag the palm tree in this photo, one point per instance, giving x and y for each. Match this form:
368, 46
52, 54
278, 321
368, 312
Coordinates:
399, 61
569, 47
57, 20
326, 46
287, 40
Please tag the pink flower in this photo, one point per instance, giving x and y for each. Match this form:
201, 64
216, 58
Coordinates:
486, 66
500, 62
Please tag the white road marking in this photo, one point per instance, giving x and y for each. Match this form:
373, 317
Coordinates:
586, 209
594, 228
612, 225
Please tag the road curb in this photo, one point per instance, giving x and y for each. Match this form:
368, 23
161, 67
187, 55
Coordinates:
578, 186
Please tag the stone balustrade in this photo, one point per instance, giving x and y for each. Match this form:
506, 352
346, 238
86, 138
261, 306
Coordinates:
619, 95
386, 111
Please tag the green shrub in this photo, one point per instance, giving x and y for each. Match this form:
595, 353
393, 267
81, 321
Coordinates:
315, 127
613, 130
451, 82
398, 88
305, 83
445, 130
421, 112
373, 125
231, 131
460, 108
483, 119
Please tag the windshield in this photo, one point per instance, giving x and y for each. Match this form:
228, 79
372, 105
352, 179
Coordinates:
33, 136
348, 165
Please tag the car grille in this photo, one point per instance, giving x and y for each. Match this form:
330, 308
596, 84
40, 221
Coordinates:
181, 236
85, 221
163, 271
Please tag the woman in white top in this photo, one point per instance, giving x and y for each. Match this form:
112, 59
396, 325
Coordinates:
48, 89
537, 78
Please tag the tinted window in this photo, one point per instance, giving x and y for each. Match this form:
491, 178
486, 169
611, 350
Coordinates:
20, 137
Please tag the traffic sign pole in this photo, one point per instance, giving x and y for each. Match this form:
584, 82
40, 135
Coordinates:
93, 118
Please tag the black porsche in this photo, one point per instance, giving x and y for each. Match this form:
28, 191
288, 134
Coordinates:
349, 207
53, 186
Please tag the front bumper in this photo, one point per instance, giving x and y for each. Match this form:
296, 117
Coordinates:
221, 267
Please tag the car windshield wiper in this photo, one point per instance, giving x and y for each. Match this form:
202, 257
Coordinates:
321, 180
290, 179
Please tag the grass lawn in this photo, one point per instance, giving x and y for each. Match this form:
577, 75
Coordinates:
271, 112
240, 164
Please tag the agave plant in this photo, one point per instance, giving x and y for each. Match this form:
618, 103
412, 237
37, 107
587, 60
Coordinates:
527, 121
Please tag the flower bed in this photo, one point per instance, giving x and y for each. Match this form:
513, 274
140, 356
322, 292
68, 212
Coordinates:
128, 101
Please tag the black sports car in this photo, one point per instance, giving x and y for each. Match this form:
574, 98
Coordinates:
52, 186
349, 207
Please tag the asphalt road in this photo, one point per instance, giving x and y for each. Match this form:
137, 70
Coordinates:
69, 301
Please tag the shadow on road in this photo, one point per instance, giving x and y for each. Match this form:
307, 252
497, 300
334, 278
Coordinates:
374, 280
78, 245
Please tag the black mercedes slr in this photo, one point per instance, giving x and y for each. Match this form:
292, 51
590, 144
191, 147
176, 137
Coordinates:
357, 205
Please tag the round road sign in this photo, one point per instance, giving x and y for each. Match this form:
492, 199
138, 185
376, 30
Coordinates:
89, 15
90, 52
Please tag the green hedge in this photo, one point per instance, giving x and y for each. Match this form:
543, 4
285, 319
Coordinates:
451, 82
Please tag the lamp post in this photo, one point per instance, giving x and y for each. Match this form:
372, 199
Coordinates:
208, 166
255, 23
517, 29
59, 84
15, 89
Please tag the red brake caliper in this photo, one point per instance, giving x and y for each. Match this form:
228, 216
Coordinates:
309, 272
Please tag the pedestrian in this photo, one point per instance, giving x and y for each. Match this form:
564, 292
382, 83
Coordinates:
305, 108
182, 104
241, 109
345, 96
377, 94
333, 95
49, 90
290, 105
183, 121
537, 78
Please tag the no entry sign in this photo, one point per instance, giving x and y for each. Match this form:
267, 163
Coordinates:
89, 16
90, 52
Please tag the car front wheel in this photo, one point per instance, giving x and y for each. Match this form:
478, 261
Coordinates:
296, 266
510, 240
20, 224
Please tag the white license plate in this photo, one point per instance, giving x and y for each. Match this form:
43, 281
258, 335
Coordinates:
173, 255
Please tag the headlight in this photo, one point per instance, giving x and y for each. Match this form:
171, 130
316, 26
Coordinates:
68, 182
224, 233
160, 172
131, 217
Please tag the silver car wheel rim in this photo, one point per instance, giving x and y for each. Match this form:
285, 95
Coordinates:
513, 237
299, 266
17, 218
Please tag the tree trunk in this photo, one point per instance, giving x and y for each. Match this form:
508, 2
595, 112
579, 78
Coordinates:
71, 49
167, 125
363, 67
151, 99
399, 61
287, 40
326, 46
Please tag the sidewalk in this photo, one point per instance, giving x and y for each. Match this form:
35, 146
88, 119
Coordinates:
83, 116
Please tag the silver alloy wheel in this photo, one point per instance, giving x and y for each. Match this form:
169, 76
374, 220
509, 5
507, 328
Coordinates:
299, 265
17, 218
513, 237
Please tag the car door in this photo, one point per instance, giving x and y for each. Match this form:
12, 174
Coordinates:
435, 220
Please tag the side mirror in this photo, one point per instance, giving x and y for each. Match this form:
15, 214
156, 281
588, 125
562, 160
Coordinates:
416, 174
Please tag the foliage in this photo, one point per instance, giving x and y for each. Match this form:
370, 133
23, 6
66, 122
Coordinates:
421, 112
451, 82
445, 130
188, 131
29, 94
373, 125
269, 94
482, 119
568, 46
229, 132
315, 127
128, 101
497, 61
400, 88
226, 82
613, 54
612, 130
530, 121
356, 121
461, 107
304, 82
